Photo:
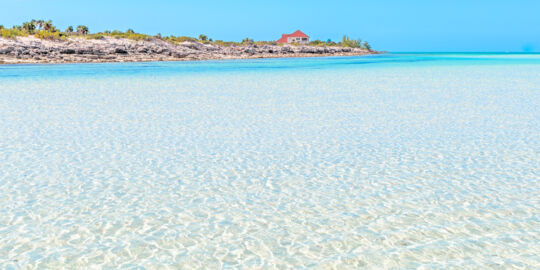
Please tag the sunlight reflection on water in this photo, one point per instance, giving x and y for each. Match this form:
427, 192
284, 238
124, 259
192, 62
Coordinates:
338, 162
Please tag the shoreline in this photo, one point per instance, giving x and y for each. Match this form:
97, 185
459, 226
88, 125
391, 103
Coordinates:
31, 50
188, 60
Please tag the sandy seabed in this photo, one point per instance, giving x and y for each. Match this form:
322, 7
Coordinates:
311, 163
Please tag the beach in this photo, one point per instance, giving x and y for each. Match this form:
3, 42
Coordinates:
389, 161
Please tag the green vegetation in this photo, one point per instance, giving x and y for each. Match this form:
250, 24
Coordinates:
83, 30
48, 26
43, 34
46, 30
12, 33
225, 43
129, 34
345, 42
203, 37
177, 40
367, 46
39, 28
95, 36
265, 43
247, 41
29, 27
318, 43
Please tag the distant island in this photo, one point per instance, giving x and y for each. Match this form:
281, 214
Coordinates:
39, 41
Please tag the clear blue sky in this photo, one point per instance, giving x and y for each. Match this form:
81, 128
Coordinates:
393, 25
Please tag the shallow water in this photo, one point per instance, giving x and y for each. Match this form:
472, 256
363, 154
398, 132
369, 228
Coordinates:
389, 161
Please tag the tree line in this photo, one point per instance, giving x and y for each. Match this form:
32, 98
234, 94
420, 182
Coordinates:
45, 29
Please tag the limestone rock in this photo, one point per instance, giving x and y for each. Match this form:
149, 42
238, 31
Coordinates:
32, 50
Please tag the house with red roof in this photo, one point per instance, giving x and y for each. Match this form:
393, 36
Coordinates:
296, 37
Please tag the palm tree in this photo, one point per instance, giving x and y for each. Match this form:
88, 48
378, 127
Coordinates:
81, 29
29, 27
69, 29
40, 24
47, 25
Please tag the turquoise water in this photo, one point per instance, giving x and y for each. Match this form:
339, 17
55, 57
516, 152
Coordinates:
387, 161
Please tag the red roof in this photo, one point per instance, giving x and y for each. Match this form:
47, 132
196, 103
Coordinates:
298, 33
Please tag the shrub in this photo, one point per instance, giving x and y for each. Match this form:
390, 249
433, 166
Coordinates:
175, 40
225, 43
184, 38
95, 36
138, 37
247, 41
44, 34
317, 43
128, 34
12, 33
347, 42
264, 42
367, 46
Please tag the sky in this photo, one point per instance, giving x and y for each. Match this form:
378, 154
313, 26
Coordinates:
390, 25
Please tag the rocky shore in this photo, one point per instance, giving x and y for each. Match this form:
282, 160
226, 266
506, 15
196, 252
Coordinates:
80, 50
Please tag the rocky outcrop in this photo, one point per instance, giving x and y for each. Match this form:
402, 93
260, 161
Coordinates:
80, 50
